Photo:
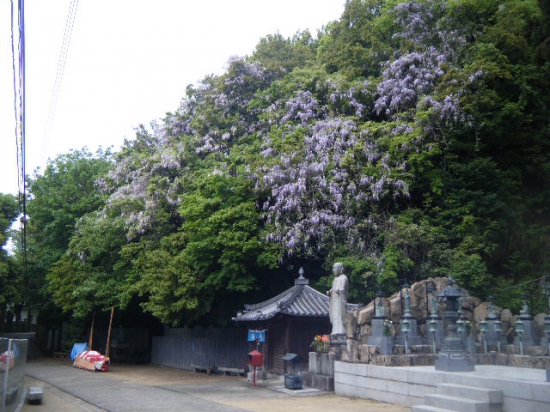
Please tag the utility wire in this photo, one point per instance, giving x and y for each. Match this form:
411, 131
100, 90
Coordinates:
22, 114
22, 107
19, 98
542, 278
69, 24
15, 110
20, 119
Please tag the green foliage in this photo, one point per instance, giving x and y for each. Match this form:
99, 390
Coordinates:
62, 194
216, 253
408, 140
281, 56
65, 192
8, 212
360, 42
363, 276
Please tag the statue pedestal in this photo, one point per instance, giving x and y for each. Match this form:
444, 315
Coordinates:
377, 338
453, 357
321, 371
386, 345
454, 361
377, 334
338, 342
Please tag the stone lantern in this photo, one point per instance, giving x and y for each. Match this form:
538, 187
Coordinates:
452, 357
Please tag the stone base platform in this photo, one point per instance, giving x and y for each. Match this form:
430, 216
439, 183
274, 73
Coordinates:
422, 355
318, 381
321, 371
524, 389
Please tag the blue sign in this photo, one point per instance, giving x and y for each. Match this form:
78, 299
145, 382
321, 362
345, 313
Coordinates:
256, 335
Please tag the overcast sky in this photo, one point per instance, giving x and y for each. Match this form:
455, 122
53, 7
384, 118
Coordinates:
129, 62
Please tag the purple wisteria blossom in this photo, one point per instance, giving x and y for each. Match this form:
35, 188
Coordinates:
315, 192
303, 107
407, 78
432, 45
145, 181
146, 184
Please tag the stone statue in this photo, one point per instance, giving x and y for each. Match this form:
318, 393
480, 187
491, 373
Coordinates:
407, 304
524, 312
338, 303
380, 310
434, 311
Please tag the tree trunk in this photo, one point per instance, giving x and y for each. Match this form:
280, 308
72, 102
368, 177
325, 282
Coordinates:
90, 341
109, 333
29, 319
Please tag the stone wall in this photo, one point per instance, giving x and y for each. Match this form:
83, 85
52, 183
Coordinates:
358, 327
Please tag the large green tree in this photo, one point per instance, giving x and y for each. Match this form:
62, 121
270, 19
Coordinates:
8, 286
60, 195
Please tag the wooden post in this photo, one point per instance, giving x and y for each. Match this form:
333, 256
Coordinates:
91, 339
109, 333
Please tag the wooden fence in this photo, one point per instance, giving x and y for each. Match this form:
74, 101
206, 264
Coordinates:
181, 348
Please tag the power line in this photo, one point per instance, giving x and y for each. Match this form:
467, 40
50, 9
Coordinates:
19, 98
22, 114
15, 110
69, 24
20, 118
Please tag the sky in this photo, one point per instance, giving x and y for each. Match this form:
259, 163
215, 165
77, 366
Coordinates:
128, 63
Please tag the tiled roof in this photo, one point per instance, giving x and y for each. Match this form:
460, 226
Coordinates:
300, 300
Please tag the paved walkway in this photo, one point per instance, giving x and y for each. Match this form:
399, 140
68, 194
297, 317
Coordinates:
154, 388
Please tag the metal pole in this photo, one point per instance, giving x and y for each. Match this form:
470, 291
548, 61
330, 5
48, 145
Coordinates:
6, 375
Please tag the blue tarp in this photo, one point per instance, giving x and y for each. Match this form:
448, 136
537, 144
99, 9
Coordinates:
78, 348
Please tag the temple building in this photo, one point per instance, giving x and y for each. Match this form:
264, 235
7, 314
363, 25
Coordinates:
291, 319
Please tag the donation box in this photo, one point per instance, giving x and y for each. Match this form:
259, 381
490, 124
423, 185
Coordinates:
255, 358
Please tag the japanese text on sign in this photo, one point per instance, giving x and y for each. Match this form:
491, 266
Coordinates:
256, 335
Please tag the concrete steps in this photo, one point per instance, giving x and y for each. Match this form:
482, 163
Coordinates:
461, 398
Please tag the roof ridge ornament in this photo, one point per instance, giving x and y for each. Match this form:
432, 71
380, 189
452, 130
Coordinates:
301, 280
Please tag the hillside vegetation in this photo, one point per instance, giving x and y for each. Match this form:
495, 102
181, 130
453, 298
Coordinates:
407, 140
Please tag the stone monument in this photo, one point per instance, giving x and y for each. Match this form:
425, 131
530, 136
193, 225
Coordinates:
411, 337
435, 327
338, 307
453, 357
338, 302
379, 335
528, 335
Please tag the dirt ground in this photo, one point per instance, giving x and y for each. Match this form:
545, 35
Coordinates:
151, 375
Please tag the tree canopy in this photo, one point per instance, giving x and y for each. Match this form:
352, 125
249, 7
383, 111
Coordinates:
8, 212
408, 140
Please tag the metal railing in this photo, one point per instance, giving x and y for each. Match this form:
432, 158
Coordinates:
13, 360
